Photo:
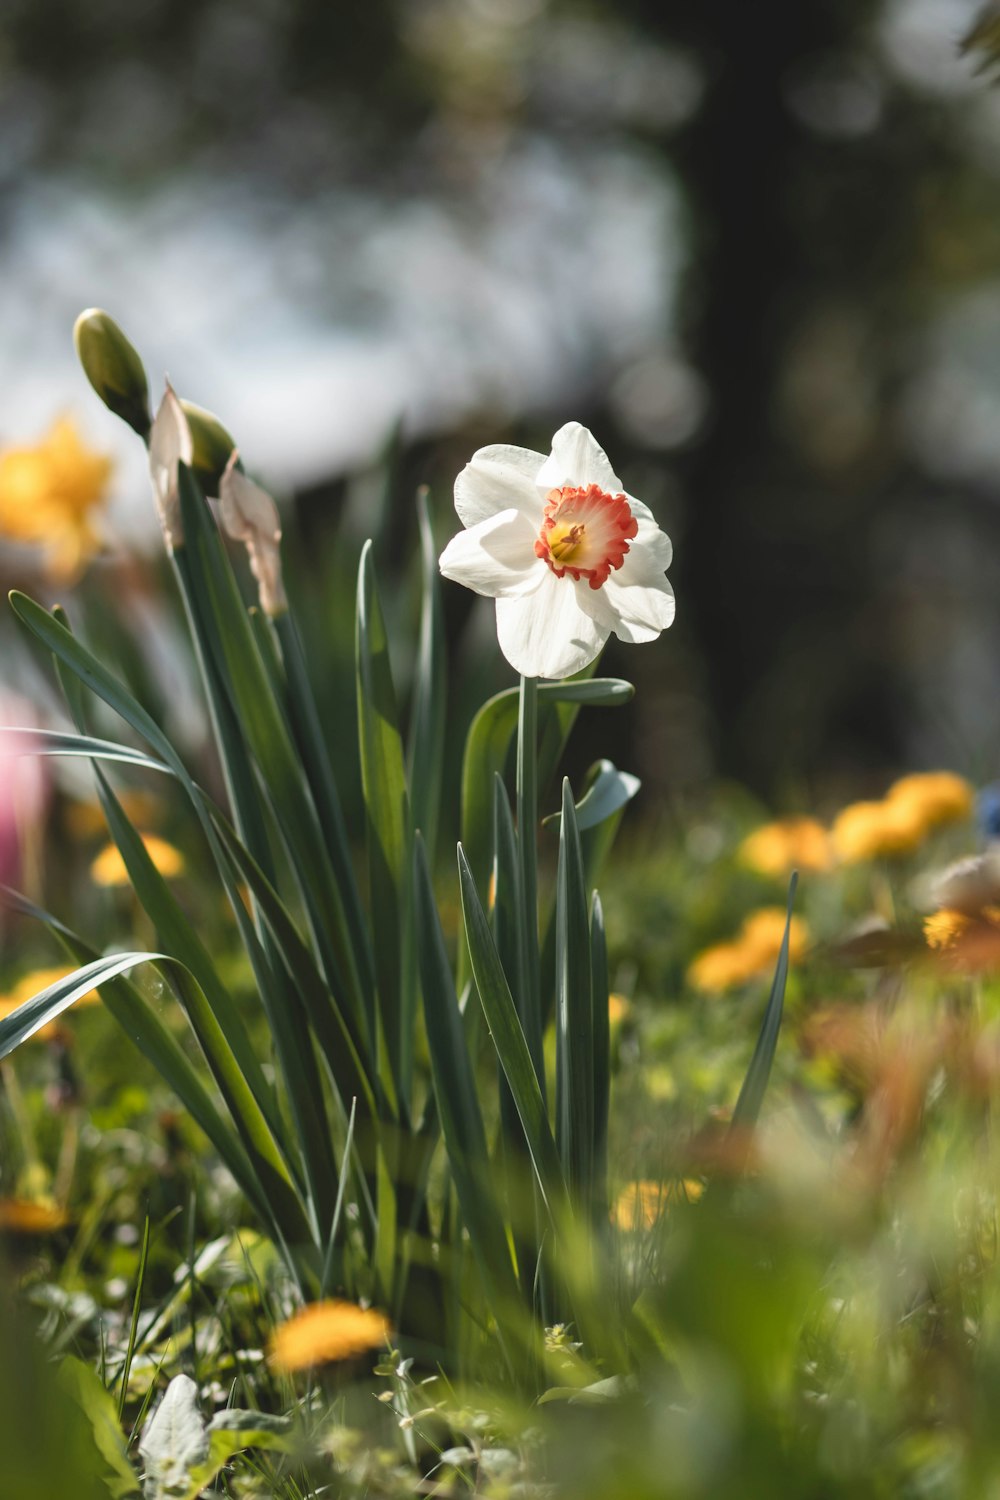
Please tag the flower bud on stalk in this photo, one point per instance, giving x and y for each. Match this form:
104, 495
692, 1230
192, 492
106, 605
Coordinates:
212, 446
113, 368
250, 516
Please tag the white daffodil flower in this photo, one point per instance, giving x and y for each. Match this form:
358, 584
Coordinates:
566, 554
169, 444
250, 516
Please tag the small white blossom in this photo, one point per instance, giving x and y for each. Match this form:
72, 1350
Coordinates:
250, 516
169, 444
566, 554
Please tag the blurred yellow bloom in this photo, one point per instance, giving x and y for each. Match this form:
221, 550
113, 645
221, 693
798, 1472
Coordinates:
109, 867
86, 819
754, 951
935, 796
789, 844
324, 1332
721, 967
618, 1009
942, 929
877, 830
641, 1204
49, 495
763, 930
31, 1216
32, 984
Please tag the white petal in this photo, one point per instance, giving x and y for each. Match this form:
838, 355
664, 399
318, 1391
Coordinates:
497, 478
641, 610
577, 459
496, 558
650, 551
546, 633
169, 442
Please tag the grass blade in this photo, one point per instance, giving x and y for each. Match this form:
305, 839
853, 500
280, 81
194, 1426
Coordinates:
427, 718
759, 1072
574, 1011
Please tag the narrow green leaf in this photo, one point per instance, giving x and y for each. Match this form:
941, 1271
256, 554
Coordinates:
574, 1010
427, 716
140, 1277
759, 1072
157, 1044
602, 1059
487, 747
387, 818
458, 1107
53, 742
511, 1047
606, 792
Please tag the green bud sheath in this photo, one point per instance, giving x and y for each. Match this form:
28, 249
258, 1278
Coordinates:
113, 368
211, 444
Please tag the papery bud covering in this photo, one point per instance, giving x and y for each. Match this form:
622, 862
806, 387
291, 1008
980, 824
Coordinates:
169, 444
250, 516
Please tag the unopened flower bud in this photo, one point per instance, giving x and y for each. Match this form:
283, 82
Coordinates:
250, 516
211, 444
113, 368
169, 444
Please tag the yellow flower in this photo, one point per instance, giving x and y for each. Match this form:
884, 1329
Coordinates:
721, 967
32, 984
754, 951
877, 830
619, 1008
942, 929
86, 820
49, 494
934, 796
109, 867
31, 1216
641, 1204
763, 930
324, 1332
789, 844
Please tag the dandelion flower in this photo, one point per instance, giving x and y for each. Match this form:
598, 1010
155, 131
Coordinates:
937, 797
108, 868
786, 845
566, 554
325, 1332
877, 830
50, 495
619, 1009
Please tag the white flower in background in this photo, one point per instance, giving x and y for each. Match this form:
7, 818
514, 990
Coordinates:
169, 444
568, 556
250, 516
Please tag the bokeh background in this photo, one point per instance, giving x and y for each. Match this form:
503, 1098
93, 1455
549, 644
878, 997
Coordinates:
755, 247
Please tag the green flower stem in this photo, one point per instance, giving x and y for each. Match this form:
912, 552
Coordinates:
527, 844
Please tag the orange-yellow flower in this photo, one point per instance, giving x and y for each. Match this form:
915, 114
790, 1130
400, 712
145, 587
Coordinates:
754, 951
721, 967
641, 1204
32, 984
619, 1008
109, 868
31, 1216
325, 1332
763, 930
50, 494
877, 830
786, 845
936, 797
942, 929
